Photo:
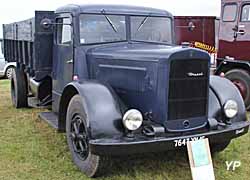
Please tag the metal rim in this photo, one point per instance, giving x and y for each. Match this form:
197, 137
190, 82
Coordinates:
242, 87
79, 137
9, 73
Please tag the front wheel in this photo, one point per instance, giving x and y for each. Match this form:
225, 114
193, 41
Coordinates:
78, 140
241, 80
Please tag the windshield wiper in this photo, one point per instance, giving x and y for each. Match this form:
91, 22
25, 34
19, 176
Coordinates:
142, 23
110, 22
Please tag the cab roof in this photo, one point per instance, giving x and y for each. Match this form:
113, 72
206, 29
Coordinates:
112, 9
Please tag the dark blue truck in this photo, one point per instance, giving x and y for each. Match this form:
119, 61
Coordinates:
114, 81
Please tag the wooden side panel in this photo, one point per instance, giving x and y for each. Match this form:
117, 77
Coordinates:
21, 31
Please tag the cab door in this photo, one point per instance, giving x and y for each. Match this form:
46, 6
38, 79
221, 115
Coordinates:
62, 57
227, 29
243, 32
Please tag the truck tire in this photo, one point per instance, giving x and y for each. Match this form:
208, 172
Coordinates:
241, 80
19, 89
77, 138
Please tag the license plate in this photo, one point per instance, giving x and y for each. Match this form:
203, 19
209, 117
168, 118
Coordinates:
183, 142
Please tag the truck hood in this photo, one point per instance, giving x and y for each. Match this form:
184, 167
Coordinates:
140, 73
144, 52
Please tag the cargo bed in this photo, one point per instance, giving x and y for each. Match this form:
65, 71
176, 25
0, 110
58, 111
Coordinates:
30, 45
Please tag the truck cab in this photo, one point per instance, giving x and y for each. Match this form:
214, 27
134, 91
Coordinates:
234, 33
118, 84
234, 40
226, 39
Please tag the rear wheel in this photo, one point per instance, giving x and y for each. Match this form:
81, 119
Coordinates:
19, 89
9, 72
241, 80
78, 140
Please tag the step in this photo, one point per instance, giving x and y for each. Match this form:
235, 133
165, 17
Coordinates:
50, 118
33, 102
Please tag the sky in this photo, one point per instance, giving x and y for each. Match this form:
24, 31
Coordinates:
17, 10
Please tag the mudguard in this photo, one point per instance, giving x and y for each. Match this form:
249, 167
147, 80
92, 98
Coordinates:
221, 90
226, 65
104, 117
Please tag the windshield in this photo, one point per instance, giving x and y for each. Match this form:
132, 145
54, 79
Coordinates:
153, 29
102, 28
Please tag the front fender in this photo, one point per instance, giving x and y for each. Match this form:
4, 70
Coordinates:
221, 90
104, 117
226, 65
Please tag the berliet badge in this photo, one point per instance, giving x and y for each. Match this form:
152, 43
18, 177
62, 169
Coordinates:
191, 74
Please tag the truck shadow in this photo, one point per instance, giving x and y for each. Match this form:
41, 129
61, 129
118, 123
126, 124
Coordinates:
149, 165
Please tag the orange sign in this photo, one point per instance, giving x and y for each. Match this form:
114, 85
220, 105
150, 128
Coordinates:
210, 49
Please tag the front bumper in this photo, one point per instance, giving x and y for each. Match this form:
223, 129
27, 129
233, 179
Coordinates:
142, 144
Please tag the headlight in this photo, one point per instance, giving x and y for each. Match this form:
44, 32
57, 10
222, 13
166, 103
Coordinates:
231, 108
132, 119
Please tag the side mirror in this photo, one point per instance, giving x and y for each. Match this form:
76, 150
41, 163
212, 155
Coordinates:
46, 23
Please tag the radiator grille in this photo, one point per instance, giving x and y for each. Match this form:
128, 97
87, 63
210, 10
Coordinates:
188, 95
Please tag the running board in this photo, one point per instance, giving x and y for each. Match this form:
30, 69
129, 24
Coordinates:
50, 118
33, 102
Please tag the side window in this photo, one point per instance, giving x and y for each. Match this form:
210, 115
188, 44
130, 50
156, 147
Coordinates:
245, 13
229, 13
63, 31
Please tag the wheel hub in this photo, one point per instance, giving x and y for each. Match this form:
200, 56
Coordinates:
79, 137
9, 73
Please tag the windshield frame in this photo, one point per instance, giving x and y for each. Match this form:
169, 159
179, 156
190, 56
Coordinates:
101, 14
154, 42
128, 28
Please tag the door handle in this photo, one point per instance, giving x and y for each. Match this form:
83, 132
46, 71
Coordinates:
241, 32
69, 61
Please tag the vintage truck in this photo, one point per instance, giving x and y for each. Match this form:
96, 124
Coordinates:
233, 35
115, 83
234, 40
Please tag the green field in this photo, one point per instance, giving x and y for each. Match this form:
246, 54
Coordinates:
31, 150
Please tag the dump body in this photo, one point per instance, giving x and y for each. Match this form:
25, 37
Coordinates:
30, 45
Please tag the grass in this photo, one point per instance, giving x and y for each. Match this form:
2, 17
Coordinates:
31, 150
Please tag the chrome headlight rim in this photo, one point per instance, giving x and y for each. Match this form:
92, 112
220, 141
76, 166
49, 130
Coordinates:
132, 119
230, 108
